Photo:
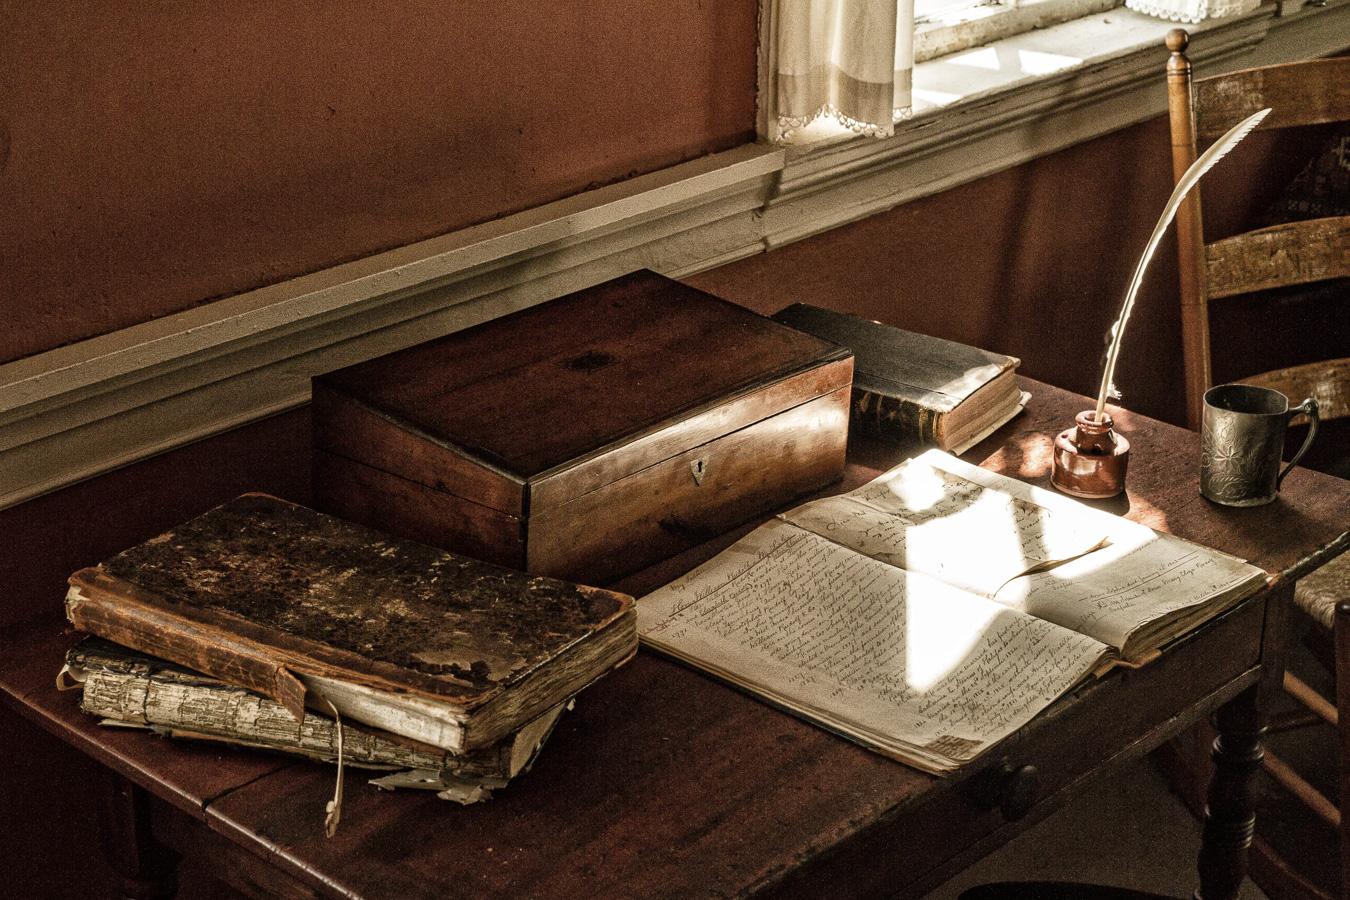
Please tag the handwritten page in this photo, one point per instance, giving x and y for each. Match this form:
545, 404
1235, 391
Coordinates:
1039, 552
1135, 591
900, 662
937, 609
968, 535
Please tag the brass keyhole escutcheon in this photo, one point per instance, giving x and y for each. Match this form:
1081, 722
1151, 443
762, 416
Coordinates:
699, 468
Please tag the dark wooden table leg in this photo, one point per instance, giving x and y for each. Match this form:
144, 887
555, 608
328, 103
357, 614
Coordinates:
1230, 808
147, 868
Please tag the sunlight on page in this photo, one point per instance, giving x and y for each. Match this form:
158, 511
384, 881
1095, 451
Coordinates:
892, 658
938, 639
926, 520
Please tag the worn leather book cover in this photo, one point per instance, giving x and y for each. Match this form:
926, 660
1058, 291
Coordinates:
312, 610
914, 387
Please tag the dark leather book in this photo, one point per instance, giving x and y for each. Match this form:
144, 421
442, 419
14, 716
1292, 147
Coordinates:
308, 609
914, 387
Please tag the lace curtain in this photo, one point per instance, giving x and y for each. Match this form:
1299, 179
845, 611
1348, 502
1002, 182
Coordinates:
851, 59
1192, 10
854, 59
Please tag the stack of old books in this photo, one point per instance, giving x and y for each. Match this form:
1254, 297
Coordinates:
269, 625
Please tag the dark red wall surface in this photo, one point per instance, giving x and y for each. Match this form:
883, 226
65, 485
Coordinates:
154, 156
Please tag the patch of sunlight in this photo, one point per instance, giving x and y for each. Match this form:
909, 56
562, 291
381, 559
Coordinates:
1023, 62
934, 98
1036, 62
983, 58
1029, 457
935, 645
1146, 513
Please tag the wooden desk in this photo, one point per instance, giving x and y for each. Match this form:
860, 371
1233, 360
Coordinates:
663, 783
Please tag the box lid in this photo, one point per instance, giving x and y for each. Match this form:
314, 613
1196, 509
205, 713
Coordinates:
541, 392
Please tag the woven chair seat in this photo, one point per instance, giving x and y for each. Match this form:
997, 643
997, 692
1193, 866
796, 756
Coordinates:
1318, 593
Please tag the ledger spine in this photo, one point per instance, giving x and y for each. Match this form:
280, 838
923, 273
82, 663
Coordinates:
893, 418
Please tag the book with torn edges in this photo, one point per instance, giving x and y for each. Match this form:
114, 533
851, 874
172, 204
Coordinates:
914, 387
935, 610
126, 688
300, 606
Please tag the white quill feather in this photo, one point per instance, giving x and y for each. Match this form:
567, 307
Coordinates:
1188, 181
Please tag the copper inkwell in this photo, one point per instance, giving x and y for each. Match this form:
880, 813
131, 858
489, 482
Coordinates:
1090, 458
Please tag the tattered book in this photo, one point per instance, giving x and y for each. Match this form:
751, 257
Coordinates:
306, 608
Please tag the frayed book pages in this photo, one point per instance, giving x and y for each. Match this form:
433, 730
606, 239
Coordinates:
130, 689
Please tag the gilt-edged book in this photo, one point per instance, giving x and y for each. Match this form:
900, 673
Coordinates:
308, 609
935, 610
915, 387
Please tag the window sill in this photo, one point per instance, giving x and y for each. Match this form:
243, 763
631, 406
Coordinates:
990, 108
976, 26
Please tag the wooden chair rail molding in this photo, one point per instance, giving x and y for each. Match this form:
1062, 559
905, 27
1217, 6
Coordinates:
90, 407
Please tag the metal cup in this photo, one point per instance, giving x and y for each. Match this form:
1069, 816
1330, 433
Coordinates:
1242, 441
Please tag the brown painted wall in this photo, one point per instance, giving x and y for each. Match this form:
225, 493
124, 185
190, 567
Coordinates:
157, 155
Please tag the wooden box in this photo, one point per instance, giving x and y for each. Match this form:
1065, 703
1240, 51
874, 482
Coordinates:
586, 437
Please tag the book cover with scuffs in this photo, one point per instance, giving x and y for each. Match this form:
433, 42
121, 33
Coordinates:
287, 601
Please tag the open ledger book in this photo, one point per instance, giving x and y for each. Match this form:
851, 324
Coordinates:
937, 609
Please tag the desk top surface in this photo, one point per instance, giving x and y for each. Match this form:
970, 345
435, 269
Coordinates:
665, 783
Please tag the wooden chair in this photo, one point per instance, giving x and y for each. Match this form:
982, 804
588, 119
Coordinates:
1298, 94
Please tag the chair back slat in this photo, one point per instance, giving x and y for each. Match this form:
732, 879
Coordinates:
1293, 253
1297, 94
1327, 382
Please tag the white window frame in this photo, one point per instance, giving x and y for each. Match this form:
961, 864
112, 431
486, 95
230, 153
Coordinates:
1095, 52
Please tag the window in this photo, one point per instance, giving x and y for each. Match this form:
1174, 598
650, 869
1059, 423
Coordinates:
852, 61
946, 26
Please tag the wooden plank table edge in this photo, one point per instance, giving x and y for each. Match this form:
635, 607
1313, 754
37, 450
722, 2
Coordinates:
39, 645
1080, 787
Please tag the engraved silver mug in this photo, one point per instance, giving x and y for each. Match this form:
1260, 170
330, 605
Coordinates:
1242, 442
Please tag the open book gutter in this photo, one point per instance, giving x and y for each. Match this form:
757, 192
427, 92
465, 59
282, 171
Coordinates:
937, 609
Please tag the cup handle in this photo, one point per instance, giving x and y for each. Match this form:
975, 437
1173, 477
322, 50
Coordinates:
1308, 407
